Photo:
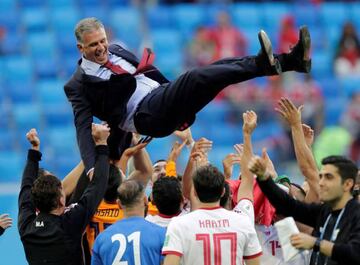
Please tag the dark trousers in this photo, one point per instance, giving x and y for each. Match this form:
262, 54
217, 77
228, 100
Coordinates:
174, 105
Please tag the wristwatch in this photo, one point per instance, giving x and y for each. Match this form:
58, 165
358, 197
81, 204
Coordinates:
316, 247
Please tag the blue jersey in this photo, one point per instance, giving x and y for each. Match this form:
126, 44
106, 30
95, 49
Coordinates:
132, 241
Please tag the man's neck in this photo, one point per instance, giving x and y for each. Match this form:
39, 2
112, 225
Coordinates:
57, 211
209, 205
340, 204
134, 212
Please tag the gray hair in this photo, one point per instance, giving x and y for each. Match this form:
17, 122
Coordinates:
131, 192
87, 25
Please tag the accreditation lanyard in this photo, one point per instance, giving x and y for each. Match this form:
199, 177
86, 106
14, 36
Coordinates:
333, 234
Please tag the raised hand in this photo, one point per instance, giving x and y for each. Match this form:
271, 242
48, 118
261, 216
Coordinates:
203, 145
5, 221
250, 121
257, 166
185, 136
33, 139
199, 159
289, 112
229, 161
176, 151
308, 134
270, 168
100, 133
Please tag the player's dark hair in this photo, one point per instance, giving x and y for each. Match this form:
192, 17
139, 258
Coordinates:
226, 197
208, 183
347, 169
167, 195
46, 193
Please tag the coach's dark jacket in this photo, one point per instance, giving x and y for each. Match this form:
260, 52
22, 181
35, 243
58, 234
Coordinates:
53, 239
346, 250
107, 100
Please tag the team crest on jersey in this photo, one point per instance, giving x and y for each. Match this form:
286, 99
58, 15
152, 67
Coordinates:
39, 224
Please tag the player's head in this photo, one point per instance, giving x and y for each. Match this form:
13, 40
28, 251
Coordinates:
113, 184
357, 186
91, 40
158, 170
47, 194
131, 194
167, 195
337, 178
208, 184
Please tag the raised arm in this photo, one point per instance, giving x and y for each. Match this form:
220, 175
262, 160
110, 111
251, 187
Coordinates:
78, 217
27, 211
303, 153
245, 190
198, 157
71, 179
83, 119
283, 203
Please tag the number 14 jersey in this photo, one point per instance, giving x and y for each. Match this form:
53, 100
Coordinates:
212, 237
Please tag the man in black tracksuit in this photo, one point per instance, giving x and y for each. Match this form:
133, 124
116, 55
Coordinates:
336, 236
53, 235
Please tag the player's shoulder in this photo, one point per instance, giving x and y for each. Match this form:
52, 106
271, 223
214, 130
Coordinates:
154, 226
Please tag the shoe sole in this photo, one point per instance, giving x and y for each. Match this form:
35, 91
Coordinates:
266, 46
306, 42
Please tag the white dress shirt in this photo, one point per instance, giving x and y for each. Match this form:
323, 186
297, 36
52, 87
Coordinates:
144, 85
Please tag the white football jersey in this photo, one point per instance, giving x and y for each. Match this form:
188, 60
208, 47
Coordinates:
272, 252
212, 237
161, 219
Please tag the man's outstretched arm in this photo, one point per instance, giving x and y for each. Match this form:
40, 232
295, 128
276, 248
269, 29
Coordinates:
283, 203
27, 211
78, 217
304, 156
83, 119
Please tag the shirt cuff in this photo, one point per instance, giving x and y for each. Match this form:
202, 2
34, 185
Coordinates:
34, 155
170, 169
102, 149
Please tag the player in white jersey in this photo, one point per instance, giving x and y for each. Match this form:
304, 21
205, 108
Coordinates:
212, 235
167, 197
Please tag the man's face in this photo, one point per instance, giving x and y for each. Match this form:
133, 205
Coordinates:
94, 46
158, 171
331, 187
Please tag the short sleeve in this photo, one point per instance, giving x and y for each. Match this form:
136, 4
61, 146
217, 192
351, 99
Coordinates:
173, 241
246, 207
252, 247
95, 257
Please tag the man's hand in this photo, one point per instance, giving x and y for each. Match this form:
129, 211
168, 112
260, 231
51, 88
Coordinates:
203, 145
270, 168
229, 161
250, 121
5, 221
199, 159
100, 133
176, 151
131, 151
185, 136
289, 112
308, 134
34, 140
302, 241
257, 165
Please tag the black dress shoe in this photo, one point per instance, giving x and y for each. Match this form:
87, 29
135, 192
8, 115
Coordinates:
265, 58
299, 56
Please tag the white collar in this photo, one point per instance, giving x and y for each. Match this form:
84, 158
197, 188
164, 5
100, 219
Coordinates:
89, 66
